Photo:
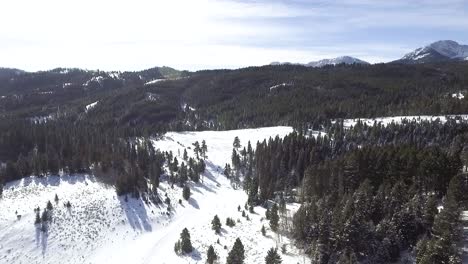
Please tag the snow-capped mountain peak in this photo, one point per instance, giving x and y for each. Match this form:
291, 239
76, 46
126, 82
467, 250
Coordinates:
450, 48
442, 50
321, 63
335, 61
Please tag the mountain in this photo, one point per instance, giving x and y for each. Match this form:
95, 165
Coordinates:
443, 50
6, 73
336, 61
324, 62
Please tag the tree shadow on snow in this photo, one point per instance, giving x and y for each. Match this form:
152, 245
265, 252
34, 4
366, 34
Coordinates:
135, 211
193, 203
195, 255
212, 167
44, 239
41, 239
51, 180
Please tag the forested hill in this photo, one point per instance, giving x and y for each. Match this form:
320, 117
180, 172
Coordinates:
249, 97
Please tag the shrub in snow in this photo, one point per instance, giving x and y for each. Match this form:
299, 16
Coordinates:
230, 222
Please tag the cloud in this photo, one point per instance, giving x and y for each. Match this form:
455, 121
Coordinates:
130, 35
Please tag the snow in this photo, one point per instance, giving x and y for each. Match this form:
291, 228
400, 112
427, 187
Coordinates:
65, 85
280, 85
91, 106
447, 48
97, 79
155, 81
101, 227
399, 119
152, 97
458, 95
420, 56
41, 119
335, 61
450, 48
114, 75
184, 107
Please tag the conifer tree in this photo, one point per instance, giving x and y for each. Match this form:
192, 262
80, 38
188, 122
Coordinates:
185, 156
211, 255
49, 205
185, 243
236, 143
236, 255
273, 257
186, 192
204, 150
274, 218
216, 224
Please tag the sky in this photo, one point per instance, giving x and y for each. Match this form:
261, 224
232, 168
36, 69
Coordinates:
207, 34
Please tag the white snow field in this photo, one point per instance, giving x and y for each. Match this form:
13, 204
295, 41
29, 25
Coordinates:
101, 227
399, 119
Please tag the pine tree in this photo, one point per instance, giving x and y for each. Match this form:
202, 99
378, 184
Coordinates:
236, 143
216, 224
273, 257
49, 205
211, 255
196, 149
236, 255
185, 157
38, 218
263, 230
56, 199
186, 192
204, 150
274, 218
185, 243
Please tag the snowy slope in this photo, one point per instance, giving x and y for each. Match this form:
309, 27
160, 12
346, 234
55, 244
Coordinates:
101, 227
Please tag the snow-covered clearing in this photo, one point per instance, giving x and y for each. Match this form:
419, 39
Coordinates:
101, 227
155, 81
91, 106
280, 85
400, 119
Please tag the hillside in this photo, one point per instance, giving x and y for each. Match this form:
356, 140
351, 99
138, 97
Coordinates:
101, 226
